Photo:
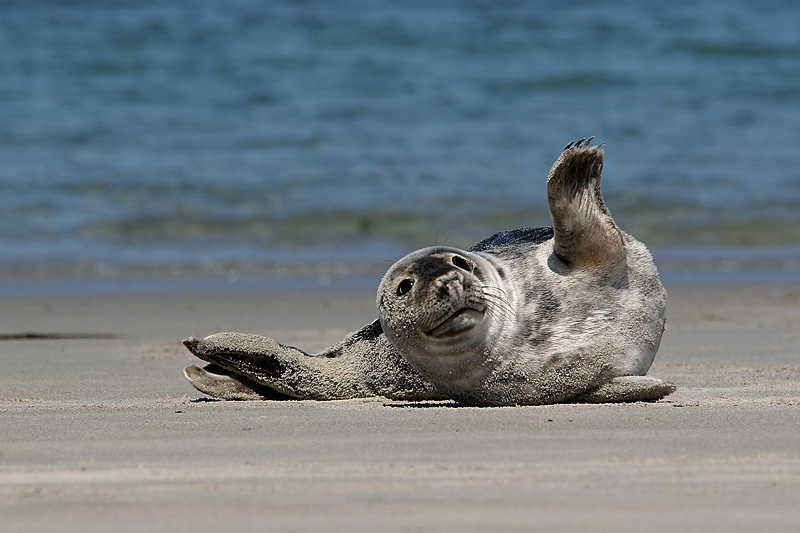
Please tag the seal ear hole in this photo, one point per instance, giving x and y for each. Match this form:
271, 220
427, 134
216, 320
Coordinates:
462, 263
404, 286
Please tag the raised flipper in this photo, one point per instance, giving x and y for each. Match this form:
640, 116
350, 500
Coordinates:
586, 236
364, 364
628, 389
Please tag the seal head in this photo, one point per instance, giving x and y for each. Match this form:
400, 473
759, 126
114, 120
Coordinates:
441, 305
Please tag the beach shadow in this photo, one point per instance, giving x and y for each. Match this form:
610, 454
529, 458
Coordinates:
35, 335
425, 404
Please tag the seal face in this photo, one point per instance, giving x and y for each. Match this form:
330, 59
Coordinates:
443, 302
445, 288
526, 321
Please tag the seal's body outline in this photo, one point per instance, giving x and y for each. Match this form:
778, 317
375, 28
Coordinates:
551, 337
583, 255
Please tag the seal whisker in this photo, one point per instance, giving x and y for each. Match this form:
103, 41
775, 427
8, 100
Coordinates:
500, 292
503, 293
498, 298
501, 311
499, 303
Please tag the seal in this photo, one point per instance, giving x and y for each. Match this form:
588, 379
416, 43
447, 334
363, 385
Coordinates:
531, 316
534, 323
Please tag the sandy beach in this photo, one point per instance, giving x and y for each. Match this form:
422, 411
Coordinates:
176, 169
102, 432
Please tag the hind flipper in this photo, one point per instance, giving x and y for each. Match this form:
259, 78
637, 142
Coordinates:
219, 383
585, 235
364, 364
628, 389
279, 367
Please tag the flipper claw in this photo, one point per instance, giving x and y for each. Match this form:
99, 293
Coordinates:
586, 236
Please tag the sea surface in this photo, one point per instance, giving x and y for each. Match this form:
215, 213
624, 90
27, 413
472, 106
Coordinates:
326, 138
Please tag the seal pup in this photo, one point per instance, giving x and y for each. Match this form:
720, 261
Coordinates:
534, 323
541, 315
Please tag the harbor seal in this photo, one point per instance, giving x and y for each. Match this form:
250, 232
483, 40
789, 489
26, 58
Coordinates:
531, 316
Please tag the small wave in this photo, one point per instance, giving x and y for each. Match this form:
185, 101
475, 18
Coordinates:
734, 50
563, 82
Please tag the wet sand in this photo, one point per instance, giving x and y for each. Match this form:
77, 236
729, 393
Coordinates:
100, 434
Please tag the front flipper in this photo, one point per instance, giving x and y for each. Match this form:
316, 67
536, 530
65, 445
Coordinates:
364, 364
628, 389
586, 236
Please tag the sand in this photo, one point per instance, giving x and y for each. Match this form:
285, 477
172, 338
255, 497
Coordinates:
105, 434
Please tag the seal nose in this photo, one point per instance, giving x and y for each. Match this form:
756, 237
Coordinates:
450, 283
448, 278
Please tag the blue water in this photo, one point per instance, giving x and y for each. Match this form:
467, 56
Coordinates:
168, 137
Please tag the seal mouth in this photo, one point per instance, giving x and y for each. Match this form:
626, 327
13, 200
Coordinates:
462, 320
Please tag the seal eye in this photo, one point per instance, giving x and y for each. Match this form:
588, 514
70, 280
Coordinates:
461, 263
405, 286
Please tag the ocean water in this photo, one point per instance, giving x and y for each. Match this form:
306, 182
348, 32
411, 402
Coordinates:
272, 138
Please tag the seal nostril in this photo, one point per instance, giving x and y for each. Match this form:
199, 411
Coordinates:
462, 263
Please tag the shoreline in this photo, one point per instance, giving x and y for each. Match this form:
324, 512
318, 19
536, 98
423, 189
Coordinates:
726, 264
102, 433
676, 266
